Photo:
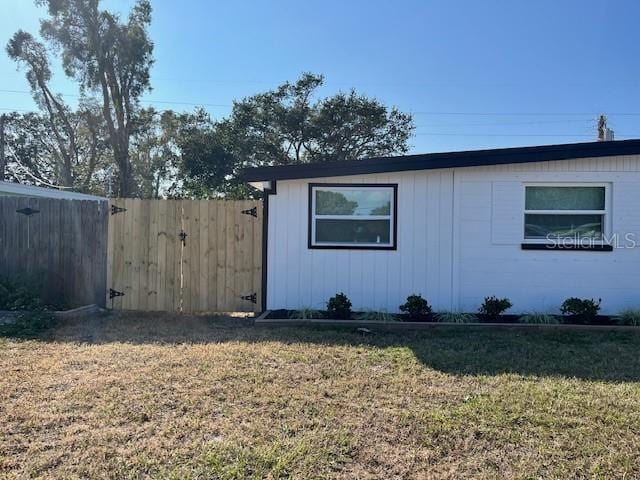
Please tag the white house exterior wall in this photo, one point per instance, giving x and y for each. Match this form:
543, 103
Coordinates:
459, 237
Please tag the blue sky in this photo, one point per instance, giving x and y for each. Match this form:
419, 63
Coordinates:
473, 72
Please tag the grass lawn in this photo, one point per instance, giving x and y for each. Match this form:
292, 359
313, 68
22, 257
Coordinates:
166, 397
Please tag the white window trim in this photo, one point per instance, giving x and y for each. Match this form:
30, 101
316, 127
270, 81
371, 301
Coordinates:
392, 245
606, 213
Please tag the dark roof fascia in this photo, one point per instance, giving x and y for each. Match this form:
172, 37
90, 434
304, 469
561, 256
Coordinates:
431, 161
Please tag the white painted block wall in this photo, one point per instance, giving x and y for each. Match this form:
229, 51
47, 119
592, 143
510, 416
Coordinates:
459, 236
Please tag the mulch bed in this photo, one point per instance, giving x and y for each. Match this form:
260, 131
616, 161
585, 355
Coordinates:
481, 318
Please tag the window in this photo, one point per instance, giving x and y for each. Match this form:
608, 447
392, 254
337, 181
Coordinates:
352, 216
567, 212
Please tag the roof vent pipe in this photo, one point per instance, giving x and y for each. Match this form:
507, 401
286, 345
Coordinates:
605, 134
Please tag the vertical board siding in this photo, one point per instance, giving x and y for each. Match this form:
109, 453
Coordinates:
459, 235
63, 247
506, 210
300, 277
220, 261
492, 262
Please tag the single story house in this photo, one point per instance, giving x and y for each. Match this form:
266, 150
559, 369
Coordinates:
21, 190
534, 224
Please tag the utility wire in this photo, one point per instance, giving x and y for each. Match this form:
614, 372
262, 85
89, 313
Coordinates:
521, 135
166, 102
453, 134
534, 122
415, 112
524, 114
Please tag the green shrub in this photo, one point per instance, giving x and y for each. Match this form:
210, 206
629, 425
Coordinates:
416, 307
494, 307
456, 317
18, 294
377, 316
306, 313
540, 318
629, 317
339, 307
29, 324
584, 309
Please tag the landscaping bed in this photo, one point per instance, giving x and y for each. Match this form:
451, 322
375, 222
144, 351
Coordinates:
477, 318
24, 313
493, 311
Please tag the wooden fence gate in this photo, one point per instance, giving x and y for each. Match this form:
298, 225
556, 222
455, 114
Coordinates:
185, 255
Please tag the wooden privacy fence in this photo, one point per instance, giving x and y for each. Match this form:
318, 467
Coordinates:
59, 244
185, 255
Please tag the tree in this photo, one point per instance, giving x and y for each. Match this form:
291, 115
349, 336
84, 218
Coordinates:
352, 126
206, 153
33, 154
107, 56
286, 126
334, 203
155, 152
382, 209
274, 127
24, 49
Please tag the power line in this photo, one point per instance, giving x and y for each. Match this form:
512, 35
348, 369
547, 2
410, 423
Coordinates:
439, 125
524, 114
438, 134
534, 122
165, 102
17, 110
453, 134
521, 135
351, 84
416, 112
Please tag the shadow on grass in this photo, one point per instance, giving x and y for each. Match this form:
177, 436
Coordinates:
593, 355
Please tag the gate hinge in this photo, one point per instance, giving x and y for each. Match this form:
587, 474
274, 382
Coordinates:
253, 298
27, 211
252, 211
115, 209
114, 293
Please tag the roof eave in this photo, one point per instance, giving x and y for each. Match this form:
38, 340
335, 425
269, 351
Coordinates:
432, 161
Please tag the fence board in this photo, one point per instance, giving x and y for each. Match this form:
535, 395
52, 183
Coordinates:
143, 256
212, 259
203, 283
221, 240
219, 262
152, 258
176, 280
62, 247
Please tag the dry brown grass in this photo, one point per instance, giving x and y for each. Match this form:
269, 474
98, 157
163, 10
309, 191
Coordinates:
165, 397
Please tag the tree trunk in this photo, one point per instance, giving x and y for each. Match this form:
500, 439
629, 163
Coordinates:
124, 167
3, 162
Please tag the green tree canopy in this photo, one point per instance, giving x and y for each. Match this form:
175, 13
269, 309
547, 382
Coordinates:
108, 56
289, 126
334, 203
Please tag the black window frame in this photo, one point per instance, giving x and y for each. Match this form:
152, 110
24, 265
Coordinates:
394, 226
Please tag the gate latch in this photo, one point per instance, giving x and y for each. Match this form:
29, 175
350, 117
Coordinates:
183, 237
